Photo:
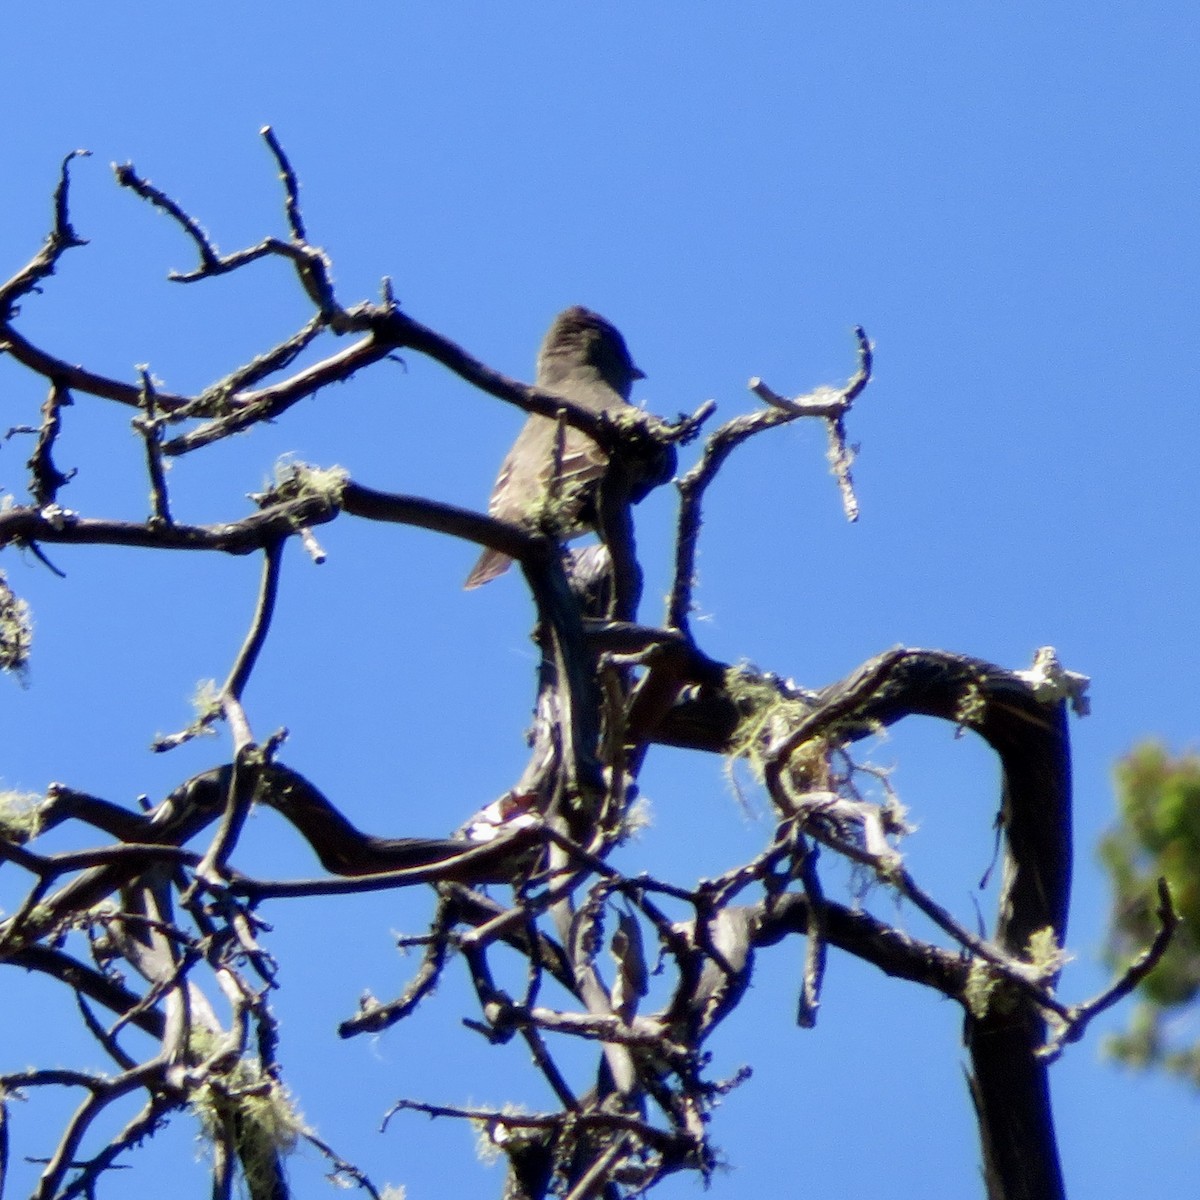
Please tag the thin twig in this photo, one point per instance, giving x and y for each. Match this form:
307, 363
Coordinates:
596, 1176
264, 610
227, 398
46, 478
594, 1119
816, 943
291, 185
103, 1036
150, 427
243, 783
142, 1126
26, 525
101, 1095
61, 238
341, 1168
828, 403
890, 870
374, 1017
127, 177
1072, 1028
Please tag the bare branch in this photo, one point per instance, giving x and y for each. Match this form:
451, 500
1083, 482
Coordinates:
127, 177
61, 238
28, 526
828, 403
151, 430
608, 690
1078, 1017
239, 676
291, 185
46, 478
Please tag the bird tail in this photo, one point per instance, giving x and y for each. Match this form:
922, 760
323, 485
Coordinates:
491, 563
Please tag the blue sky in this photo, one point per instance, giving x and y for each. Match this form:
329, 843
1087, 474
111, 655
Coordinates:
1003, 195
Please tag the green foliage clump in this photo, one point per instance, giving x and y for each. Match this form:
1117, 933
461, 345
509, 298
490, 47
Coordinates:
257, 1111
1158, 836
986, 990
763, 709
294, 480
20, 816
16, 629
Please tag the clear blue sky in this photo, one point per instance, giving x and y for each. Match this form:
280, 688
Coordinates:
1003, 195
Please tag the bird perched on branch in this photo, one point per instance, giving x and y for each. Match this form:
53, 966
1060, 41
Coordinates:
584, 359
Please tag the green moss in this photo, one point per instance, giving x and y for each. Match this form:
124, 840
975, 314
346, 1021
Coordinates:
16, 629
293, 480
985, 991
1045, 953
764, 712
20, 816
258, 1110
206, 702
972, 706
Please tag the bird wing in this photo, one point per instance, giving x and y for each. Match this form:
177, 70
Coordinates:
527, 470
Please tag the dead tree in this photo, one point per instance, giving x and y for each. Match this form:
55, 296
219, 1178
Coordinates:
149, 932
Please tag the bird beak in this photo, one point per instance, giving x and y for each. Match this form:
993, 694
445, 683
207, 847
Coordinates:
638, 373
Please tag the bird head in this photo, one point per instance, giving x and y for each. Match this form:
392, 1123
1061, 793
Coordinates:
581, 340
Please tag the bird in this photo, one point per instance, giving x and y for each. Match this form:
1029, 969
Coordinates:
583, 358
